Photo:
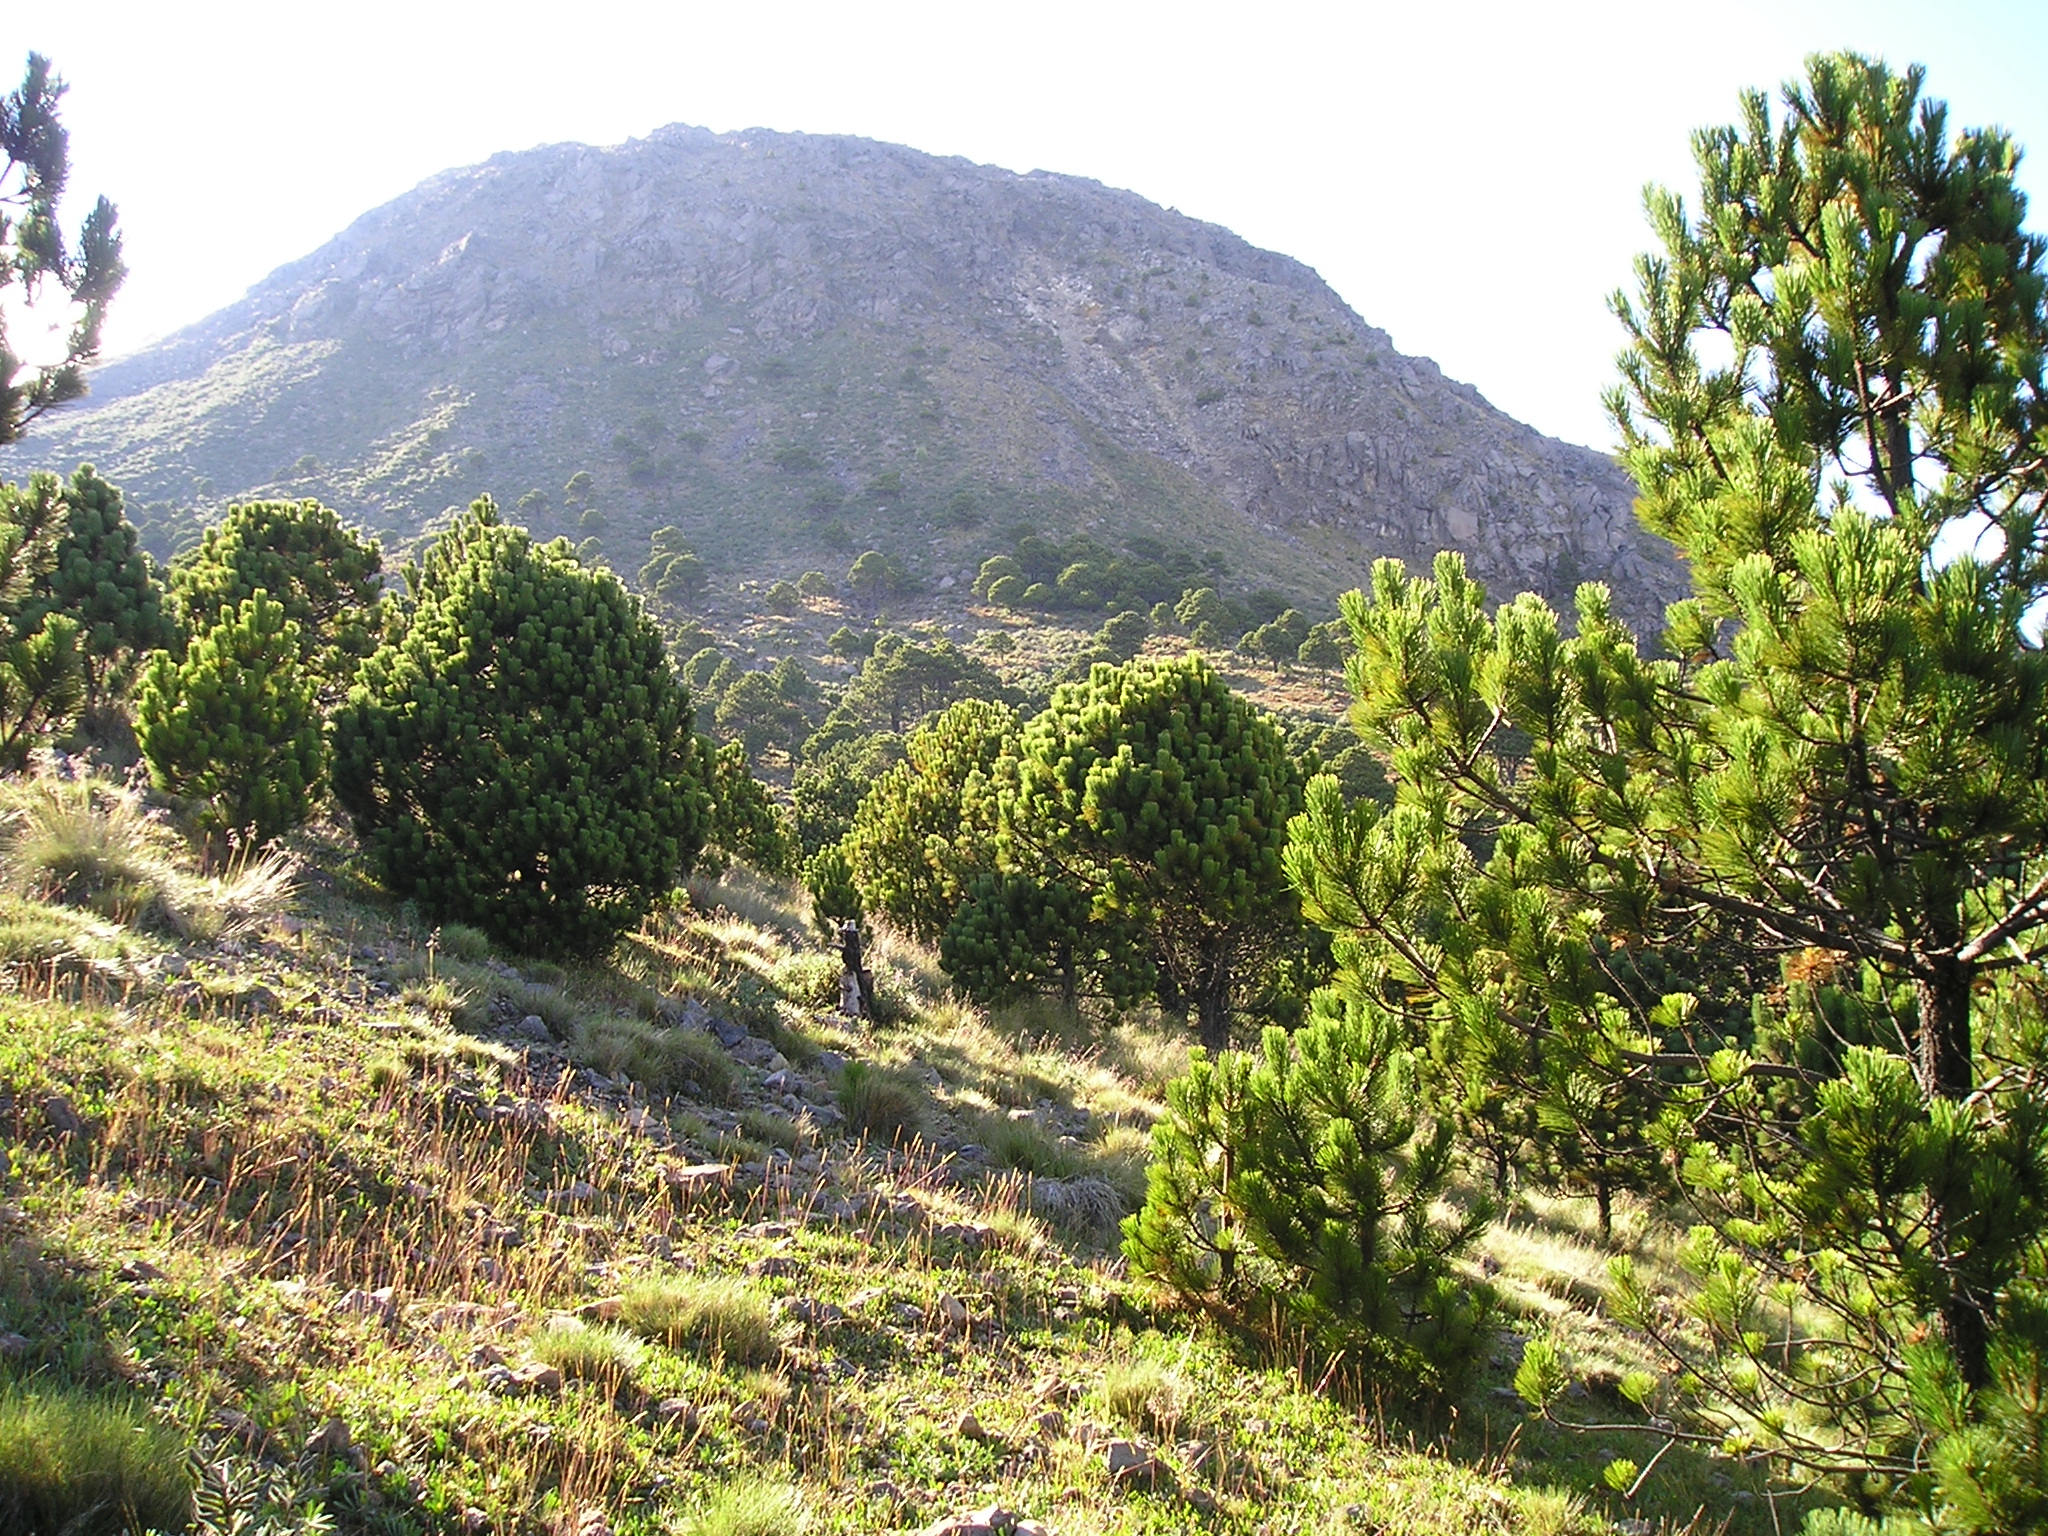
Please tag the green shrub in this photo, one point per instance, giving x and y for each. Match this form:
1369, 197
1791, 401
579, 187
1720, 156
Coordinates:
749, 1507
881, 1104
782, 597
78, 1464
588, 1351
808, 980
814, 584
521, 758
834, 897
102, 581
1298, 1188
234, 724
719, 1317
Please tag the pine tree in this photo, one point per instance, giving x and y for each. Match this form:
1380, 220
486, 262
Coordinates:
746, 826
1301, 1181
102, 580
308, 560
42, 676
927, 828
1839, 776
1013, 934
34, 250
520, 757
1167, 796
234, 723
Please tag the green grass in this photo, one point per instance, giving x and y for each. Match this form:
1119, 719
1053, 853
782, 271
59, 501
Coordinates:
750, 1506
882, 1105
726, 1318
1144, 1395
660, 1060
588, 1351
77, 1463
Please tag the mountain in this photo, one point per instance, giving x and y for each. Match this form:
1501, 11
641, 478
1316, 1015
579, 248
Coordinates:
790, 347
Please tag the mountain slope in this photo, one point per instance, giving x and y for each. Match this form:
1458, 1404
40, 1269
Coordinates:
790, 346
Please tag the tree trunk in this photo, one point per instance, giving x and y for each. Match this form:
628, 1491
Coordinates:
1944, 1069
1212, 1000
1070, 983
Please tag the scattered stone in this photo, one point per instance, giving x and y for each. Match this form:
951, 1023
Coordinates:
679, 1411
1127, 1461
950, 1313
831, 1063
882, 1491
970, 1427
381, 1303
475, 1522
488, 1355
775, 1266
1054, 1390
992, 1521
1200, 1498
593, 1522
538, 1378
62, 1117
778, 1082
697, 1178
535, 1028
12, 1344
727, 1033
812, 1313
767, 1231
1628, 1526
138, 1272
579, 1193
330, 1440
1050, 1424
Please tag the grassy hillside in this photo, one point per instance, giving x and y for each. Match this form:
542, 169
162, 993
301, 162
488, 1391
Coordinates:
425, 1238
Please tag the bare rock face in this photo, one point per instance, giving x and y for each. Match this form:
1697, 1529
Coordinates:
780, 343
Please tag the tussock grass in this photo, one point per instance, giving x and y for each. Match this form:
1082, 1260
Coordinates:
588, 1351
1144, 1395
660, 1060
881, 1104
726, 1318
748, 1507
32, 934
90, 844
74, 1463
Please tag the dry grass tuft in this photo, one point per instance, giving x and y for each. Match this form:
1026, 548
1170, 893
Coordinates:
726, 1318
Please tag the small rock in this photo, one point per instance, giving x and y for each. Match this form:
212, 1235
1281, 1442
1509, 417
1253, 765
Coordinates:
537, 1377
593, 1522
814, 1314
138, 1272
679, 1411
882, 1491
381, 1303
534, 1028
831, 1062
992, 1521
488, 1354
62, 1117
950, 1313
970, 1427
578, 1193
775, 1266
475, 1522
727, 1033
1129, 1462
12, 1344
1050, 1424
329, 1440
777, 1082
1634, 1527
697, 1178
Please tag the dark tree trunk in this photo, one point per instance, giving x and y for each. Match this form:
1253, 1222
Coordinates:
1945, 1071
1070, 983
1212, 1001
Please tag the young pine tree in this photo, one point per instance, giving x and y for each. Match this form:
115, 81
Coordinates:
234, 724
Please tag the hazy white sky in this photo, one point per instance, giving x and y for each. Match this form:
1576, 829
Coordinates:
1466, 175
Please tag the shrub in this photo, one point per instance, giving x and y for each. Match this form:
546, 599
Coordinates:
782, 597
102, 581
808, 980
834, 897
521, 759
814, 584
234, 724
588, 1351
1007, 591
749, 1507
1300, 1183
720, 1317
881, 1104
78, 1464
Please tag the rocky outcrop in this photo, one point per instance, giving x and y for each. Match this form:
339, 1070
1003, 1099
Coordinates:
757, 335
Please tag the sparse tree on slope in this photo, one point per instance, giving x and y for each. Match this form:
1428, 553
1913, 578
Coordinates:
1835, 369
1166, 795
521, 758
101, 580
